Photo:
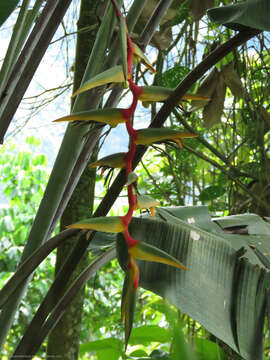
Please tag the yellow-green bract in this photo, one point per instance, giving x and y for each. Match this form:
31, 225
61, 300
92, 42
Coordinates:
151, 135
110, 116
144, 251
111, 224
159, 93
112, 75
146, 202
111, 161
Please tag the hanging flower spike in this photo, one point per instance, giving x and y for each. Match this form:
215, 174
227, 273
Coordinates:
110, 116
111, 224
114, 161
112, 75
152, 135
146, 202
159, 93
138, 55
129, 295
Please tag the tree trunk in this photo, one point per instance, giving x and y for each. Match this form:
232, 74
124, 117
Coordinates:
64, 340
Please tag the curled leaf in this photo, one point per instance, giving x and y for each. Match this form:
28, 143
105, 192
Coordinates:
213, 111
139, 55
112, 75
233, 80
206, 89
132, 178
110, 116
111, 224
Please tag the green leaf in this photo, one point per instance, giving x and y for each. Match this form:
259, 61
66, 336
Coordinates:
149, 333
206, 349
212, 192
160, 355
172, 77
39, 160
180, 349
254, 168
223, 291
103, 344
193, 215
249, 14
112, 354
6, 8
254, 223
123, 41
138, 353
112, 75
122, 251
32, 140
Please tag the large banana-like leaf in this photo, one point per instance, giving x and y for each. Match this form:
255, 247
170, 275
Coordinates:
227, 285
249, 14
6, 8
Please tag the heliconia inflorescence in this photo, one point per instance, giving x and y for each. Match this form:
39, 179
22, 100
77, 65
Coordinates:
128, 248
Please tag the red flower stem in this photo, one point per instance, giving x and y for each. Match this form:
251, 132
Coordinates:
128, 113
130, 241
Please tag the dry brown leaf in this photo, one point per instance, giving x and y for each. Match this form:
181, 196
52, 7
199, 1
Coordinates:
212, 112
206, 89
233, 81
199, 7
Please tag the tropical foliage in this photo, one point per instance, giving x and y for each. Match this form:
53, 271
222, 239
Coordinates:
212, 150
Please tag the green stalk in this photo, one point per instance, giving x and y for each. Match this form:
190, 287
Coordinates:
134, 13
26, 19
29, 59
31, 348
68, 154
154, 20
11, 54
30, 19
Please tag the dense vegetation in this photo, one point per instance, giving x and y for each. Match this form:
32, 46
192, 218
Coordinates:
225, 167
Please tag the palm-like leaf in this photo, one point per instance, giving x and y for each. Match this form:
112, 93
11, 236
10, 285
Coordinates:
249, 14
6, 8
224, 291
